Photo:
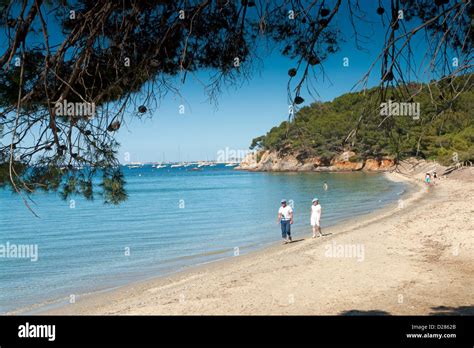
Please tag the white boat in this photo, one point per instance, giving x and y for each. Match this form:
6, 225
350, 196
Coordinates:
159, 165
133, 165
177, 165
231, 164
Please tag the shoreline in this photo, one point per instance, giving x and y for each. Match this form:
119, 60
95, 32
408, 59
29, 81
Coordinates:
174, 294
51, 305
57, 306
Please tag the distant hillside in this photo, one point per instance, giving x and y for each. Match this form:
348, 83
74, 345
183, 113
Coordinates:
352, 123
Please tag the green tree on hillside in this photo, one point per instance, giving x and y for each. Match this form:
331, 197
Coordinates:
327, 129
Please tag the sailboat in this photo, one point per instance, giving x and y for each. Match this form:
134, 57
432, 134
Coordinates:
160, 165
134, 165
180, 164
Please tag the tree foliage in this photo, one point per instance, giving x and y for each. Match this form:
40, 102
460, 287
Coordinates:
444, 131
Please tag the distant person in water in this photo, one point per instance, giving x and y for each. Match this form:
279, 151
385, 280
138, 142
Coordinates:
325, 186
285, 218
316, 217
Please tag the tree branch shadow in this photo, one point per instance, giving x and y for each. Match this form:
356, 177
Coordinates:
439, 310
461, 310
357, 312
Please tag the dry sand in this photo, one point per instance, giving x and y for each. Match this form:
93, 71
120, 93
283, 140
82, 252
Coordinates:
417, 259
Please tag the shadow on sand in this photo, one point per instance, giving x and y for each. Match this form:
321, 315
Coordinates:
296, 240
358, 312
440, 310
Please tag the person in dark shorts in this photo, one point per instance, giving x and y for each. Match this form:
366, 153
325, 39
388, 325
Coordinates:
285, 218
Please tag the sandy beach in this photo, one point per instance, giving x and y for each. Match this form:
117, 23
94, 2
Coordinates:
414, 257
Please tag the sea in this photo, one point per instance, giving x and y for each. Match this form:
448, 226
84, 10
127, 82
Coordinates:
174, 219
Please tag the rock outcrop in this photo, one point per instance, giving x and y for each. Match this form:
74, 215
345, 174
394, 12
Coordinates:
347, 161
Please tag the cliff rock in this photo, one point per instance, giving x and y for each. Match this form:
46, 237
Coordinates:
272, 161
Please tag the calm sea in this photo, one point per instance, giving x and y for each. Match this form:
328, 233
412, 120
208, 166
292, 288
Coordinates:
173, 219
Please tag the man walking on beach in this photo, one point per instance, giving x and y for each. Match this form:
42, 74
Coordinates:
285, 218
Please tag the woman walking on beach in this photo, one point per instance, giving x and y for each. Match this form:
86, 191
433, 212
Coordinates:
316, 217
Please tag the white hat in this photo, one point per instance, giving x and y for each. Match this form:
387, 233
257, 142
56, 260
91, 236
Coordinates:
315, 200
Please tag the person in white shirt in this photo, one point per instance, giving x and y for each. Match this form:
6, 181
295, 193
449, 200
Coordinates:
285, 218
316, 217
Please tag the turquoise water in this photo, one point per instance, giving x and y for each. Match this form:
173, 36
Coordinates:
174, 218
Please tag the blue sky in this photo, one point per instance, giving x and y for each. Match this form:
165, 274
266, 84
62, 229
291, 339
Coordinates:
242, 113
